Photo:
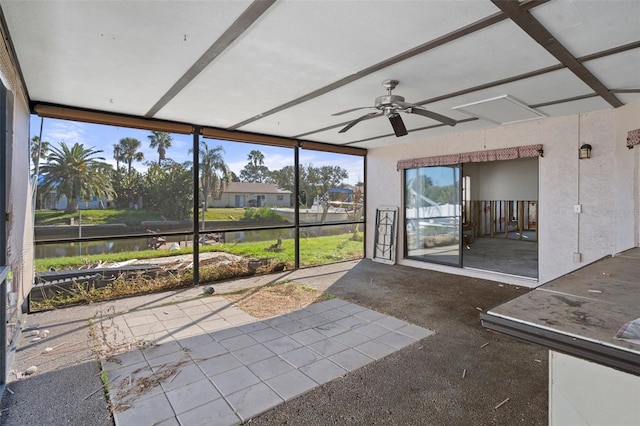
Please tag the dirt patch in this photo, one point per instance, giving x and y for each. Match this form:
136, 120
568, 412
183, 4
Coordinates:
275, 299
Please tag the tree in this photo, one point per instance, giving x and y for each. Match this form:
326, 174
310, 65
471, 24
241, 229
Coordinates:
312, 180
39, 150
161, 141
214, 172
283, 178
127, 188
255, 170
127, 150
169, 178
76, 172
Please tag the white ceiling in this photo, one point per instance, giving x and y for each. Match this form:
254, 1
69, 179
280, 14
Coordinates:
283, 67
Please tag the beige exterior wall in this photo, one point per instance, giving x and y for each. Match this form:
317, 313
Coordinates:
20, 225
607, 185
228, 199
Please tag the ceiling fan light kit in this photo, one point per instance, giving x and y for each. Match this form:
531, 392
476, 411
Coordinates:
390, 106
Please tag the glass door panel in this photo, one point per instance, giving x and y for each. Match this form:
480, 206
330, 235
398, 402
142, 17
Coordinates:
433, 214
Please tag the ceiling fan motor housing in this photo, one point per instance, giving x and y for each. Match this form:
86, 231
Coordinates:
386, 103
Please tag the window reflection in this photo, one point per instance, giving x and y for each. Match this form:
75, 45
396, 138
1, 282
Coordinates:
432, 214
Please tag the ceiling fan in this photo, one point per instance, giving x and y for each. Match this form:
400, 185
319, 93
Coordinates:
390, 106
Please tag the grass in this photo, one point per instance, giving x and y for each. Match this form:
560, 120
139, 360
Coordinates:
221, 214
313, 251
96, 217
129, 217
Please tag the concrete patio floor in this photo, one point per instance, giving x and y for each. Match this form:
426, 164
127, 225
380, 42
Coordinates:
211, 359
215, 364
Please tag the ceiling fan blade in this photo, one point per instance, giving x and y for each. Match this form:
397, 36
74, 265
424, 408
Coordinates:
430, 114
357, 120
350, 110
398, 125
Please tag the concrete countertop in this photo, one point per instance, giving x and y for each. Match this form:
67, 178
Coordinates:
580, 313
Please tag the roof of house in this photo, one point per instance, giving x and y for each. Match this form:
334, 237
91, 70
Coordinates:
250, 187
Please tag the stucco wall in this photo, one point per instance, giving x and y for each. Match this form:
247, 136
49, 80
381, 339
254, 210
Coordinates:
606, 185
228, 199
19, 225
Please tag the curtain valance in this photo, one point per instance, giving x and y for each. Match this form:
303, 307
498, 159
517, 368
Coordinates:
512, 153
633, 138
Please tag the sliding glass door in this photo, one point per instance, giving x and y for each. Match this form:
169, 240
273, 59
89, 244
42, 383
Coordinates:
432, 213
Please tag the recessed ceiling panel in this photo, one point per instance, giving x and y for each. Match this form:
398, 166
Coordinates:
299, 47
543, 88
112, 56
585, 27
500, 110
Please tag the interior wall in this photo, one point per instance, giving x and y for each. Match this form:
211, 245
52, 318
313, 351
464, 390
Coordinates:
606, 185
504, 180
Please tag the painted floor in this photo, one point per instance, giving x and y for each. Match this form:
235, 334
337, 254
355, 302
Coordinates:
204, 361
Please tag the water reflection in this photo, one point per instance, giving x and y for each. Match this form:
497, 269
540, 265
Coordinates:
87, 248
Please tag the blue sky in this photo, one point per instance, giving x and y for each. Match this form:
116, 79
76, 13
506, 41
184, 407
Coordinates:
104, 137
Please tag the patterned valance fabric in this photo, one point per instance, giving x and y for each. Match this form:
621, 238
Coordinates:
527, 151
633, 138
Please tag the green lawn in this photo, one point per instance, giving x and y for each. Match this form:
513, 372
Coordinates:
223, 213
313, 251
126, 216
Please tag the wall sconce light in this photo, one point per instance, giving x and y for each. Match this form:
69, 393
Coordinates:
585, 151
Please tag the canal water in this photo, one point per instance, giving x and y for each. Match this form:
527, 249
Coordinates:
106, 246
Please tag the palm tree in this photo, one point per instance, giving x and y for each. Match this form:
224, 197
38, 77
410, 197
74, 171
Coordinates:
127, 150
77, 173
255, 171
39, 150
161, 141
256, 158
214, 172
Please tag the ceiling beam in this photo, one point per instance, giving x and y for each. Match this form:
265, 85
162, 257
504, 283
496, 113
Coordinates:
447, 38
244, 21
534, 73
109, 119
544, 38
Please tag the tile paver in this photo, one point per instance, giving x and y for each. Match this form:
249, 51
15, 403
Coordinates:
219, 364
291, 384
375, 349
211, 363
234, 380
350, 359
265, 334
217, 412
327, 347
282, 345
254, 400
252, 354
301, 356
270, 367
323, 371
192, 395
